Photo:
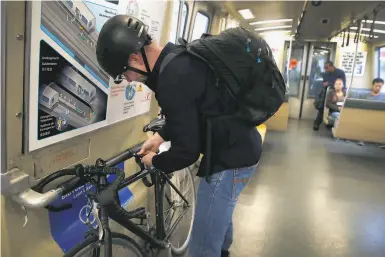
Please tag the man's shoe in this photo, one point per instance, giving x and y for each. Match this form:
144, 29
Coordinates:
225, 253
316, 127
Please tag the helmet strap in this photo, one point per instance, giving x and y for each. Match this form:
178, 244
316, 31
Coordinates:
145, 60
145, 73
137, 71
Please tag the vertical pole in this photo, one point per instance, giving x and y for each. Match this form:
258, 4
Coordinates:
354, 60
180, 13
288, 64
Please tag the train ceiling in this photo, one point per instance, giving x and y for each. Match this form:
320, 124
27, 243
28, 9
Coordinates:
322, 19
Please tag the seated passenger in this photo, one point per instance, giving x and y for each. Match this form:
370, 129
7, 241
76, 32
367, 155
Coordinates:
335, 98
376, 90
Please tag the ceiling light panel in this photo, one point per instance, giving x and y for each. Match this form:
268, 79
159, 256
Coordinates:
367, 29
376, 22
274, 27
246, 14
270, 21
275, 32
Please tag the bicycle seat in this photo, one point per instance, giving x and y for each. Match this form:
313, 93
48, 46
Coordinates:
155, 125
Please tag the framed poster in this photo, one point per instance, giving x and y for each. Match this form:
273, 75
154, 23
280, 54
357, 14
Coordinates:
347, 61
68, 93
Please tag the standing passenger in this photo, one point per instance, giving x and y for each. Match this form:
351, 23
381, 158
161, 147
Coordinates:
331, 73
186, 92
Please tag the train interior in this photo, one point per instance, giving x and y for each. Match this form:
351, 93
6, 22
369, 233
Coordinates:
315, 193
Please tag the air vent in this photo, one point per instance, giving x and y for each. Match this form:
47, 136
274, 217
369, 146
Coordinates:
325, 21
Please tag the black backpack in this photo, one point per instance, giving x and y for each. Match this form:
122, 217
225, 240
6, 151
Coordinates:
244, 64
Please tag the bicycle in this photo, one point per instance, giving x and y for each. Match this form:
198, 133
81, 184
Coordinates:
104, 202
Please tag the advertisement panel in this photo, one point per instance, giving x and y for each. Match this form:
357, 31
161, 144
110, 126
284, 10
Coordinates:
69, 94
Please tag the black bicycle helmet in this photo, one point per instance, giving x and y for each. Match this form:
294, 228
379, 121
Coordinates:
119, 37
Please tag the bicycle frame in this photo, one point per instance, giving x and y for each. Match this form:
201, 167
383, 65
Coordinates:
160, 239
104, 202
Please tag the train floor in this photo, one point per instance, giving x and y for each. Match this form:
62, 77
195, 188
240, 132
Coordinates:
312, 196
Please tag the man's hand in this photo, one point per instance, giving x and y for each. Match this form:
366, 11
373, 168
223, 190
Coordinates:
151, 145
147, 159
339, 108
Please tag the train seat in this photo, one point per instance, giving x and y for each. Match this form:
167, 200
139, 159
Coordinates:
361, 120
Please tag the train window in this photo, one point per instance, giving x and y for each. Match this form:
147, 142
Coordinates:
70, 4
84, 20
52, 100
174, 22
201, 25
381, 62
222, 24
45, 99
184, 20
73, 83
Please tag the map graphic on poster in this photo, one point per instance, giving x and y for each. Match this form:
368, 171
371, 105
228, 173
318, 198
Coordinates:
347, 61
67, 99
74, 25
69, 94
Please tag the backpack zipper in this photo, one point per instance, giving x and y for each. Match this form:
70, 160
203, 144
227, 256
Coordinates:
259, 55
248, 41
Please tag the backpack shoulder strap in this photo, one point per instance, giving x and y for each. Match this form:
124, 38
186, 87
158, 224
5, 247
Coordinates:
170, 56
184, 47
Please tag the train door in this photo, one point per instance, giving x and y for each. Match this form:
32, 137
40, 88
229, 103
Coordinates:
304, 63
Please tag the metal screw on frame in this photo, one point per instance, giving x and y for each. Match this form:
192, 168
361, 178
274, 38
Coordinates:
19, 37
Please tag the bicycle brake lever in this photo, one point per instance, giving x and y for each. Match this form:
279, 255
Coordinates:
139, 161
146, 182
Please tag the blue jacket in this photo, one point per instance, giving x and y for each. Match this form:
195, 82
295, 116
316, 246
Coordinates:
331, 77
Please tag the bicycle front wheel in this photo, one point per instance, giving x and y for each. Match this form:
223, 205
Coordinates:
178, 216
122, 246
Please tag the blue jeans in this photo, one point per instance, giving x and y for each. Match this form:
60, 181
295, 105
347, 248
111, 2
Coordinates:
213, 227
335, 115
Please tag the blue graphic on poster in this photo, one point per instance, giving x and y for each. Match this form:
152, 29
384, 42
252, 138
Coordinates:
68, 227
130, 91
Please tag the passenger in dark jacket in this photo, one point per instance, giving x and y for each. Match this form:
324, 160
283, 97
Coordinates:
186, 92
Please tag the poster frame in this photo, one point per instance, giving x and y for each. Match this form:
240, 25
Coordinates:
26, 86
3, 156
27, 91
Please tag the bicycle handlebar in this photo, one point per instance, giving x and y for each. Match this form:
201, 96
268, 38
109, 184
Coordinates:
123, 156
34, 198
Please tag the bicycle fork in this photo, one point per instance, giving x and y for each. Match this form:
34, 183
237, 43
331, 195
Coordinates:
104, 229
106, 233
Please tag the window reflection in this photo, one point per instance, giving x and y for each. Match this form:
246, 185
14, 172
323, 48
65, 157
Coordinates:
295, 69
201, 26
381, 62
174, 22
320, 56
